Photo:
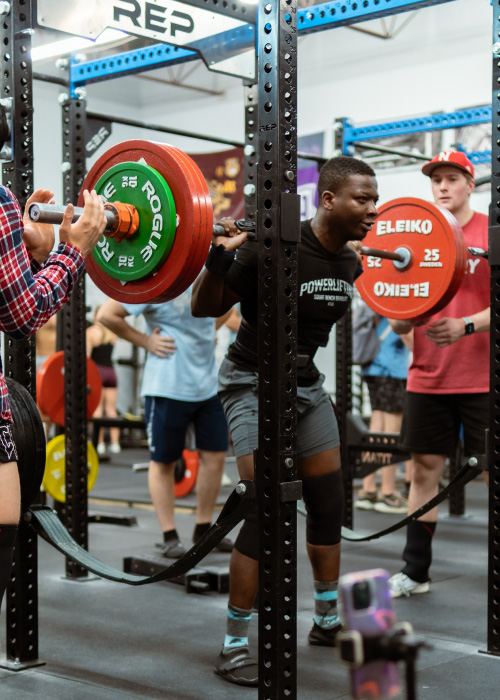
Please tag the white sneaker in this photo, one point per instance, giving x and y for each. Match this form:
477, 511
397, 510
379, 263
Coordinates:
115, 448
401, 584
101, 448
226, 481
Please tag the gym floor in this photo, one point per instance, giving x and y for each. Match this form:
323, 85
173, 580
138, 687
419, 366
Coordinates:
111, 641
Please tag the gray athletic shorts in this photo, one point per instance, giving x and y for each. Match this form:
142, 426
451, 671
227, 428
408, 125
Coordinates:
317, 428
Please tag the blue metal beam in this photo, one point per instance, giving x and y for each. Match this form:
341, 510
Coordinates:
434, 122
127, 63
343, 12
312, 19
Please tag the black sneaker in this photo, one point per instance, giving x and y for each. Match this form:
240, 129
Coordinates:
319, 636
172, 549
237, 666
225, 545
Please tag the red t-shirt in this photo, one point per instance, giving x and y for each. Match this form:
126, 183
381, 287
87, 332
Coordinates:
464, 366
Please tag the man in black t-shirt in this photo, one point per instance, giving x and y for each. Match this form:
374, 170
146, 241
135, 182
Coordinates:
326, 270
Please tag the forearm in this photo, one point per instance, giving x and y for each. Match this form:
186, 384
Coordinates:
481, 321
400, 326
210, 296
122, 329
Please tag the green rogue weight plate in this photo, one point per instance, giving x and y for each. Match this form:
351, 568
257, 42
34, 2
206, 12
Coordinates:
139, 256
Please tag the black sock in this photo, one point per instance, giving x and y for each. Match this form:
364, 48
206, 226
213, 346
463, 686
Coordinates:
200, 530
418, 551
170, 535
8, 534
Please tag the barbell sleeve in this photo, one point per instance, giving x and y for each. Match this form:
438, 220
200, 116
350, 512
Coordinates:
386, 254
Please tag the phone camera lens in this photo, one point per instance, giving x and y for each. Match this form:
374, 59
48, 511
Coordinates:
361, 596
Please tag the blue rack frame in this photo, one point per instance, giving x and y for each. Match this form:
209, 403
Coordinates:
434, 122
312, 19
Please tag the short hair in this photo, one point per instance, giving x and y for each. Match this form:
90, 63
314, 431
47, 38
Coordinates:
336, 171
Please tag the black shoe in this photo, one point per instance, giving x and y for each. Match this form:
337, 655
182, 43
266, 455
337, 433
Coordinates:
237, 666
172, 549
225, 545
319, 636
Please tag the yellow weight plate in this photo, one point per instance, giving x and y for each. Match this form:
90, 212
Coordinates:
54, 478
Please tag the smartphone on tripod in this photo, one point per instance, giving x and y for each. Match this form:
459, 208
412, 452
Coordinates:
367, 610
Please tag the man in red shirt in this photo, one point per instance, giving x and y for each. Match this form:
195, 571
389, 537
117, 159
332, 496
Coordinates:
448, 380
35, 282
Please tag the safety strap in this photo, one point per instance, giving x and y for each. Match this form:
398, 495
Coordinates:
46, 523
461, 478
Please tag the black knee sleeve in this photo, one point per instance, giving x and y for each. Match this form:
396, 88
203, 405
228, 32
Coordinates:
247, 542
8, 534
324, 499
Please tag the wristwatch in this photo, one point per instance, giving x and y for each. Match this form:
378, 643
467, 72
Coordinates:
469, 326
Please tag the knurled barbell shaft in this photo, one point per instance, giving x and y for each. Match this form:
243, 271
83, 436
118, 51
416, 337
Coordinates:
386, 254
54, 213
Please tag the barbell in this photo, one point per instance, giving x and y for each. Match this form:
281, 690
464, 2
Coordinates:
160, 226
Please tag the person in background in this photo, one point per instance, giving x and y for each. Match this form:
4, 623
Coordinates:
449, 378
35, 283
385, 378
100, 344
180, 388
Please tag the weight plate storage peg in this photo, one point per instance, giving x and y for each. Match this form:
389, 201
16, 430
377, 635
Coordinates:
434, 254
193, 231
54, 478
50, 387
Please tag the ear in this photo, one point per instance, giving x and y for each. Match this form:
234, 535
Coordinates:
472, 185
327, 200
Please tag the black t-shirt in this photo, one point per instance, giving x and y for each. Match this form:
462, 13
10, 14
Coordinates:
325, 288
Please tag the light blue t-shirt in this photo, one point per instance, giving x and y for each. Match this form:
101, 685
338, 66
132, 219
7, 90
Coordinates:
393, 357
190, 374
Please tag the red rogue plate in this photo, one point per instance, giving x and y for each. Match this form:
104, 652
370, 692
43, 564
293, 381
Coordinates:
438, 260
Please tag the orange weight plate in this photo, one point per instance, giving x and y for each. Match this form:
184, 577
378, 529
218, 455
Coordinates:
438, 258
182, 183
50, 387
191, 462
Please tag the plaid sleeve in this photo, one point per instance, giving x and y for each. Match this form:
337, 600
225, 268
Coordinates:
28, 299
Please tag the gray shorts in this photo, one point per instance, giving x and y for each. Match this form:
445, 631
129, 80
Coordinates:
317, 429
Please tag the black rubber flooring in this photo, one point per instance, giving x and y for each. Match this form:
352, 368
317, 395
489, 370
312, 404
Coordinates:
108, 641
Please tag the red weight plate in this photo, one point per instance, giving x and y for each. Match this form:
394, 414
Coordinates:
192, 462
205, 233
437, 268
50, 387
202, 241
150, 289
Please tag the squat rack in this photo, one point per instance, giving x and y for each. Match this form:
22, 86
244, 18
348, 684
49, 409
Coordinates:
276, 212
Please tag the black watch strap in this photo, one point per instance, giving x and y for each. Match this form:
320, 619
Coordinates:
469, 325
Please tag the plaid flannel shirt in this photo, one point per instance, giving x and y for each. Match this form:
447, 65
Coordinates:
29, 294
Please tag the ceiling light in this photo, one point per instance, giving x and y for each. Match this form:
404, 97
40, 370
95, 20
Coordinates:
66, 46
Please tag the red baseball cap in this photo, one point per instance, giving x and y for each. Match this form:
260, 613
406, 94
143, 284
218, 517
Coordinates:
457, 159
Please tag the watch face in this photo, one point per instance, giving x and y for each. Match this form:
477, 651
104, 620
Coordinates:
469, 329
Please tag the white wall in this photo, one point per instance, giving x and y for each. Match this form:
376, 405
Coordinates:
440, 61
